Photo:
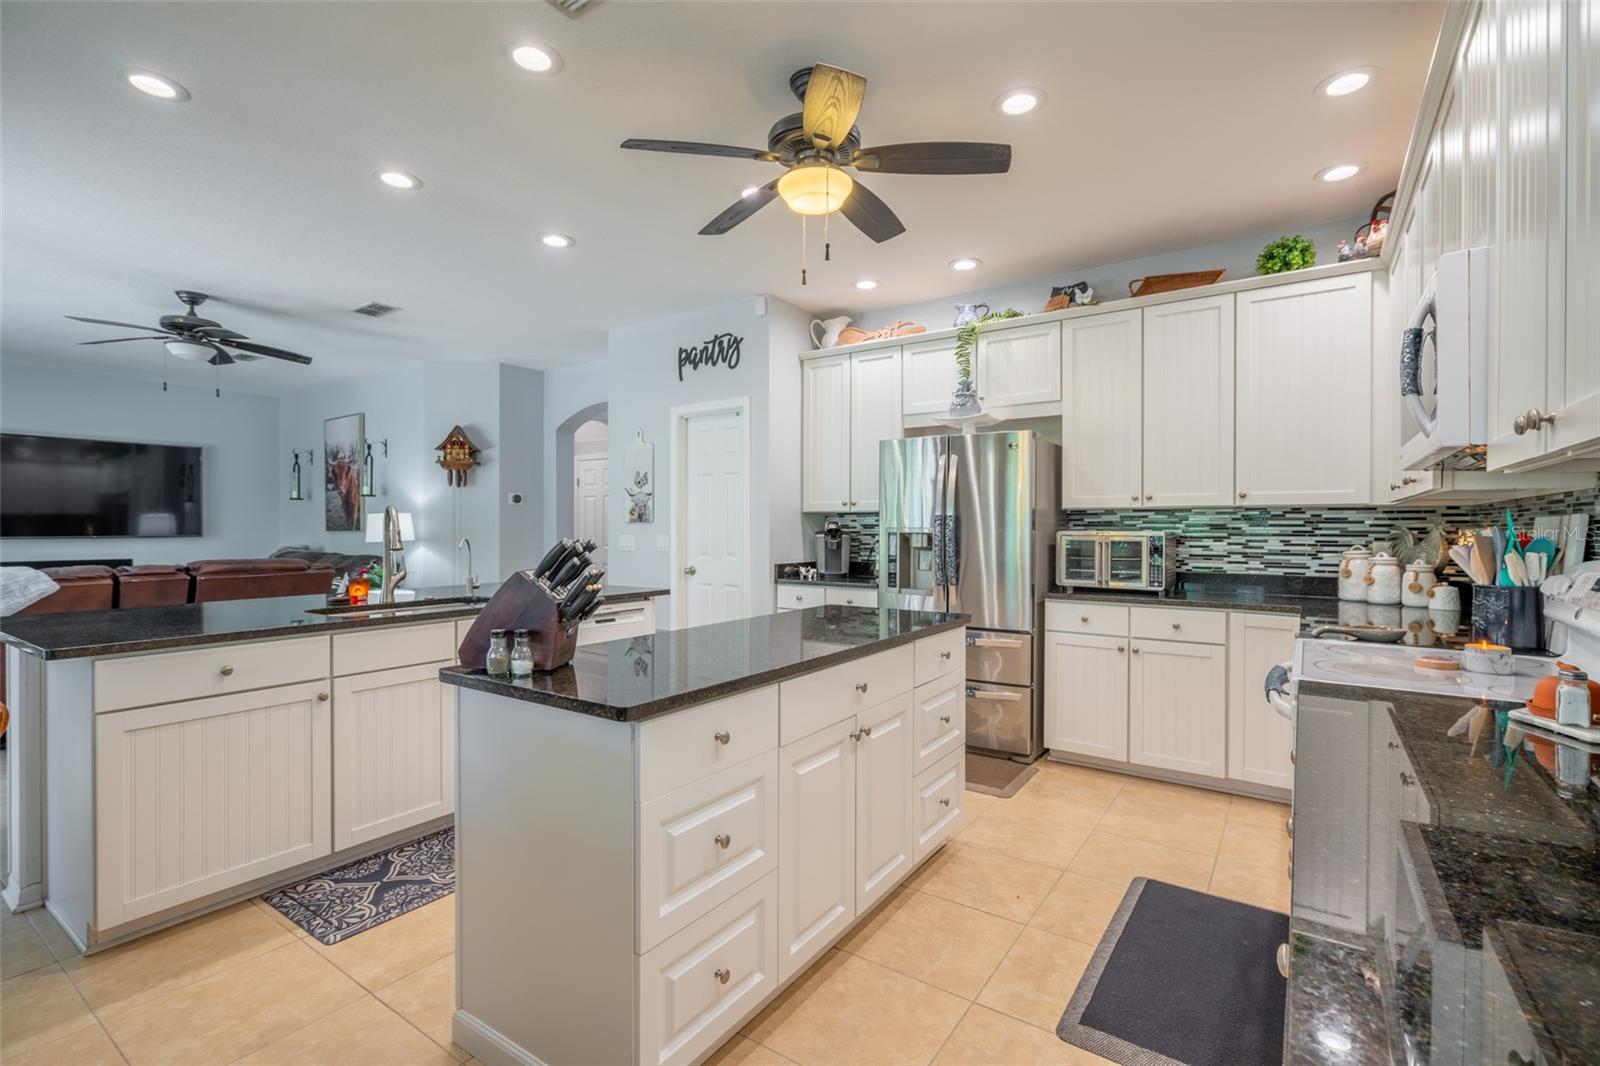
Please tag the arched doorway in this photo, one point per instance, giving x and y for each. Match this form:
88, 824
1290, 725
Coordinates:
581, 455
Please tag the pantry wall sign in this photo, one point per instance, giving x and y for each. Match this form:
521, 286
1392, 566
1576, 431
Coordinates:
722, 350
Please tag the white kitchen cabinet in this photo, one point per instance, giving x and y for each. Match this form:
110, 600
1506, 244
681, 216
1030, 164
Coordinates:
1018, 365
1303, 393
1189, 403
874, 417
940, 712
885, 807
799, 597
825, 434
1086, 695
196, 797
928, 376
1103, 410
393, 752
1574, 376
840, 597
816, 843
1177, 706
1259, 737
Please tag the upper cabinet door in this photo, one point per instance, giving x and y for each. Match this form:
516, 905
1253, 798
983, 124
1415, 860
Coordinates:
1188, 403
1576, 388
1102, 412
928, 374
1019, 365
874, 418
1304, 393
825, 434
1481, 144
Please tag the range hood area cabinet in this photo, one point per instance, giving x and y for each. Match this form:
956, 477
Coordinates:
848, 403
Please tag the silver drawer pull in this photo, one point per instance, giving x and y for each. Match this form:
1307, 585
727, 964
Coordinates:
994, 694
861, 734
226, 671
722, 737
1177, 625
723, 840
945, 656
1283, 960
861, 686
996, 642
723, 975
322, 697
944, 801
1084, 619
944, 719
1120, 649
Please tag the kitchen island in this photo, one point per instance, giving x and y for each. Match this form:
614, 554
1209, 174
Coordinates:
656, 839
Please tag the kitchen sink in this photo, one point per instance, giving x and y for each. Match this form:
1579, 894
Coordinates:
401, 609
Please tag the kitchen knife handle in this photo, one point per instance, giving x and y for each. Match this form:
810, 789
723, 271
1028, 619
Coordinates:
552, 558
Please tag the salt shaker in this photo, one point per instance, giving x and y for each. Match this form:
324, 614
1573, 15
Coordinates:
522, 655
497, 663
1572, 697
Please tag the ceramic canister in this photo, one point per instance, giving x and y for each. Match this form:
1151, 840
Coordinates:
1444, 599
1353, 567
1383, 579
1415, 584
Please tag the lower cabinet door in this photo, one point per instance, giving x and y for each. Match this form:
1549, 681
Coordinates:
939, 795
195, 797
1177, 706
697, 984
816, 843
394, 735
1259, 737
885, 821
941, 720
1086, 695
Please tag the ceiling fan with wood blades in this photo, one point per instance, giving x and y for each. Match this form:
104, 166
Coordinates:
199, 340
819, 145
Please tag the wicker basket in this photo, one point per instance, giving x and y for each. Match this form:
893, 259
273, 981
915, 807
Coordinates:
1172, 282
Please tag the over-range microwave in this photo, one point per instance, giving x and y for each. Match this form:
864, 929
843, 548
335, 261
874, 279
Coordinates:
1116, 559
1444, 366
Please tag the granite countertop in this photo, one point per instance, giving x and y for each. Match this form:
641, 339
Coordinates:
1312, 598
121, 631
838, 581
632, 680
1482, 860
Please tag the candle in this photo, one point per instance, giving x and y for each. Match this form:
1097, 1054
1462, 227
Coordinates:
1484, 657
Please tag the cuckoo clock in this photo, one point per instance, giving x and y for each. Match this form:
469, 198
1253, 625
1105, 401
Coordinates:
457, 454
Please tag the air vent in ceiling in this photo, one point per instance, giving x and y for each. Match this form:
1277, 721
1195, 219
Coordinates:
375, 310
572, 8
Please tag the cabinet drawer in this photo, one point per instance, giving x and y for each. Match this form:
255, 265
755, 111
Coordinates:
1178, 623
696, 986
940, 656
807, 704
850, 597
185, 675
392, 646
676, 749
701, 844
940, 793
1100, 619
797, 596
940, 708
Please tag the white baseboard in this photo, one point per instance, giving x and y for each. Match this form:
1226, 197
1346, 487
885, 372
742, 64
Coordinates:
486, 1044
20, 897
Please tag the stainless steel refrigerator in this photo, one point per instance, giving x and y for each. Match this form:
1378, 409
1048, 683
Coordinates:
965, 525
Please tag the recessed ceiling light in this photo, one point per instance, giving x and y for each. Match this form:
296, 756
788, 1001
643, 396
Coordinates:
1015, 102
1339, 172
748, 191
399, 179
1346, 82
556, 240
964, 263
156, 85
866, 283
535, 58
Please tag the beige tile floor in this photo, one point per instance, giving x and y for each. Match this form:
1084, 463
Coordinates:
978, 953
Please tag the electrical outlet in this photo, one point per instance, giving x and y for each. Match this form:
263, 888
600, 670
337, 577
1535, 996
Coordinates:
514, 498
662, 544
625, 542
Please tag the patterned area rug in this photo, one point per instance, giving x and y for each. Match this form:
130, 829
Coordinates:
368, 892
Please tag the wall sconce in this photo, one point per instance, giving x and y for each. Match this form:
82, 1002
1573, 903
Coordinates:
297, 492
369, 468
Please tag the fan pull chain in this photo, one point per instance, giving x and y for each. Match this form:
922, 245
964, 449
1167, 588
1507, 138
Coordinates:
802, 249
218, 367
165, 356
827, 247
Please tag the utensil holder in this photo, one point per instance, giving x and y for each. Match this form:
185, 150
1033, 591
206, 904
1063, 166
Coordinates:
1513, 617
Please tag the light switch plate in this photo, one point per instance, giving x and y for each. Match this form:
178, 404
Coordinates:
625, 542
662, 544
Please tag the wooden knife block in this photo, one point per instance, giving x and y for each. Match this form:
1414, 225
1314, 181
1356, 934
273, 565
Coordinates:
522, 603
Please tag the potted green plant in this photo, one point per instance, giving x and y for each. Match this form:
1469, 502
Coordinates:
1287, 253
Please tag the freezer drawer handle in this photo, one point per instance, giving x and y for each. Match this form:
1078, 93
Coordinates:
994, 642
995, 694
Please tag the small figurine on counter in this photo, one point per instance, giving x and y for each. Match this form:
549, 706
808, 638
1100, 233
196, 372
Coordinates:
1077, 294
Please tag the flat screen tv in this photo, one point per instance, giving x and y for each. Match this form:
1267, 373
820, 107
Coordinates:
66, 487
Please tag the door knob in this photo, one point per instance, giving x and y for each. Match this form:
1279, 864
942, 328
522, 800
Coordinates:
689, 570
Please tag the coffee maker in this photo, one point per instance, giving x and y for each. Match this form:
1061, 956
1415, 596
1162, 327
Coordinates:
833, 550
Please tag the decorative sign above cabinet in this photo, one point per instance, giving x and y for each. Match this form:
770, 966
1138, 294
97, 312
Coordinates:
723, 349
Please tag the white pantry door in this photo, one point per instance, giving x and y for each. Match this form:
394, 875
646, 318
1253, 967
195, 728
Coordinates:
591, 489
716, 517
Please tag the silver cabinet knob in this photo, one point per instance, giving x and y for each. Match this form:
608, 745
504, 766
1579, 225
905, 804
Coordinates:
722, 736
945, 656
1393, 487
1120, 649
1288, 826
1406, 779
944, 719
1177, 625
723, 840
1243, 494
1084, 619
1148, 496
322, 697
861, 687
722, 975
1532, 419
944, 801
226, 671
1408, 480
1136, 651
1134, 497
689, 570
848, 602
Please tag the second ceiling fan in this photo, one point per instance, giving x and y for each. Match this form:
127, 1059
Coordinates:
816, 146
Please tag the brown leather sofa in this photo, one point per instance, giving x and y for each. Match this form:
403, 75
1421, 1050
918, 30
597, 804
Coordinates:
83, 588
152, 585
248, 579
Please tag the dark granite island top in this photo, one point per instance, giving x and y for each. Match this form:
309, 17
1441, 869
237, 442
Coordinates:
632, 680
1446, 884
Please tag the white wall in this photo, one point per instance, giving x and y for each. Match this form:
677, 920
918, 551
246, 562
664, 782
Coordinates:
1110, 281
244, 476
521, 470
790, 334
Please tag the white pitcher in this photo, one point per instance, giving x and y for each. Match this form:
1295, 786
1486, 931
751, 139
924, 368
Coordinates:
829, 328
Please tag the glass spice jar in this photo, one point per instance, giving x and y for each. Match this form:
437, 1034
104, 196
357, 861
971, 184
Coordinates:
522, 655
498, 661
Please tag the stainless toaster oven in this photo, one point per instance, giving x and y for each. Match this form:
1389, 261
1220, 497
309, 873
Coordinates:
1116, 559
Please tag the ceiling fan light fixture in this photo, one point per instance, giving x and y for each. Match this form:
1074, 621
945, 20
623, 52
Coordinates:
1015, 102
154, 85
190, 350
815, 188
403, 180
965, 263
535, 58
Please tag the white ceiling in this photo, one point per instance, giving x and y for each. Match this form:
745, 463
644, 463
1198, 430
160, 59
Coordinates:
1168, 125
